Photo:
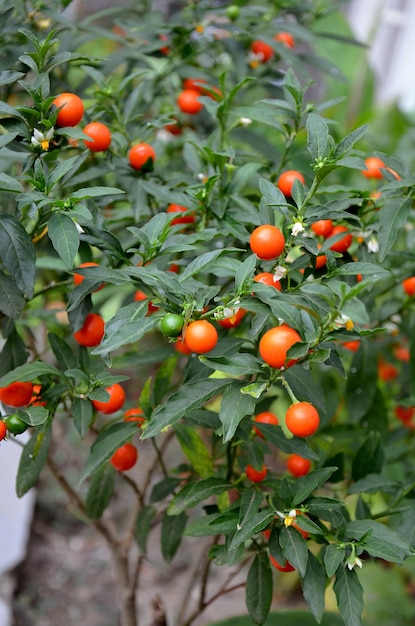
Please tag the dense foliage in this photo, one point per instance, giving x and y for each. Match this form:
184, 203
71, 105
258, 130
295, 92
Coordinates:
189, 242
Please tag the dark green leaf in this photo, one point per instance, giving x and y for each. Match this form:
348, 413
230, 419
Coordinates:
194, 493
349, 594
34, 415
333, 556
17, 253
317, 136
392, 218
100, 492
172, 528
314, 586
294, 548
82, 415
107, 442
251, 527
64, 237
381, 542
370, 456
305, 485
234, 407
143, 525
63, 353
28, 372
348, 142
128, 325
305, 387
32, 460
258, 594
361, 383
245, 273
163, 378
192, 395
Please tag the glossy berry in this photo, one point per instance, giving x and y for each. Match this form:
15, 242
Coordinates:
262, 50
409, 286
266, 417
275, 343
267, 242
188, 101
124, 458
404, 413
255, 475
100, 137
298, 465
343, 243
15, 425
3, 430
16, 394
141, 157
286, 180
91, 332
373, 165
134, 415
139, 296
286, 39
72, 109
79, 278
302, 419
287, 567
266, 278
186, 217
200, 336
171, 325
114, 403
323, 228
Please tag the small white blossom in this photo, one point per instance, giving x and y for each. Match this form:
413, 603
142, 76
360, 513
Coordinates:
373, 245
297, 228
344, 320
279, 272
79, 228
245, 121
164, 136
356, 561
230, 312
202, 177
42, 139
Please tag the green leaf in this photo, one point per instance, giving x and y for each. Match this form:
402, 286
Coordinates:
370, 457
100, 492
172, 528
251, 527
10, 184
142, 527
13, 354
314, 586
294, 548
372, 483
348, 142
202, 263
34, 415
317, 136
275, 435
32, 460
305, 485
107, 442
382, 542
349, 595
28, 372
305, 387
128, 325
194, 493
64, 237
194, 449
245, 273
12, 301
82, 415
368, 269
17, 253
95, 192
241, 364
63, 353
361, 383
392, 217
192, 395
234, 407
333, 556
258, 590
163, 378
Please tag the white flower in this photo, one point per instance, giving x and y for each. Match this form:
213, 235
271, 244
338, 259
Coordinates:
355, 561
373, 245
245, 121
164, 136
344, 320
297, 228
279, 272
78, 227
42, 139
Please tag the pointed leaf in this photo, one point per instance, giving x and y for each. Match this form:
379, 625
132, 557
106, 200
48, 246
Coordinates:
100, 492
317, 136
253, 525
195, 450
143, 525
194, 493
349, 594
192, 395
17, 253
107, 442
82, 415
258, 594
392, 218
172, 528
64, 237
333, 556
28, 372
295, 548
305, 485
234, 407
32, 460
314, 586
